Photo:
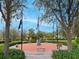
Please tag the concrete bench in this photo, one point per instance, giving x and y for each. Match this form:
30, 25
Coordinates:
41, 49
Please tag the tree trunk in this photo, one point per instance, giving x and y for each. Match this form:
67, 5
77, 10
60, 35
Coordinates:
6, 39
69, 40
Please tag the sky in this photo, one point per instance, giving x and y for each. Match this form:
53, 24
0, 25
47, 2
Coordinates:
30, 19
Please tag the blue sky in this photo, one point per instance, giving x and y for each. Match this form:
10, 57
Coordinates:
30, 19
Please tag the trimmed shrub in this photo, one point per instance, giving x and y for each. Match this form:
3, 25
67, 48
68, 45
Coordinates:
77, 40
16, 54
59, 41
33, 40
13, 54
74, 45
73, 54
1, 41
16, 42
1, 47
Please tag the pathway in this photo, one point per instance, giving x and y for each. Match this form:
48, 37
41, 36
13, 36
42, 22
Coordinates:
38, 55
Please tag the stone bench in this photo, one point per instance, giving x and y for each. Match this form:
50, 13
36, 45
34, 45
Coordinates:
41, 49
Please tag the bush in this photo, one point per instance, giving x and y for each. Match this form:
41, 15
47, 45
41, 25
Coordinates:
59, 41
16, 42
1, 41
74, 45
33, 40
1, 47
77, 40
73, 54
13, 54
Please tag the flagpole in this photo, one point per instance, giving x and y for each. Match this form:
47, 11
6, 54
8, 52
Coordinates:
21, 26
38, 38
57, 36
0, 6
38, 25
22, 29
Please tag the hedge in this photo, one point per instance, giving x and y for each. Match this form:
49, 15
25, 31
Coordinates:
13, 54
1, 41
1, 47
59, 41
73, 54
16, 42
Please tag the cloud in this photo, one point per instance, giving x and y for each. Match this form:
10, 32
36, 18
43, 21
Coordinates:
32, 20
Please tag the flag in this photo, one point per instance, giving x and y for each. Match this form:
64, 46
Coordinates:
20, 24
0, 6
38, 23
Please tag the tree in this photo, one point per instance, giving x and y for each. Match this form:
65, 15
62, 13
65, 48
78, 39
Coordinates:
1, 35
31, 34
62, 33
13, 34
64, 11
10, 8
76, 28
40, 34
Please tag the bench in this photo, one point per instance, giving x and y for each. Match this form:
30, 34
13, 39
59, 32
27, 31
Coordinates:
41, 49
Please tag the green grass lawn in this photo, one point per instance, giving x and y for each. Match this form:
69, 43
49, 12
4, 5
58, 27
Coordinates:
1, 47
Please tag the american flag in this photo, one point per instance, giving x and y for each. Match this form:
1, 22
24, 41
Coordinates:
39, 22
0, 6
21, 20
20, 24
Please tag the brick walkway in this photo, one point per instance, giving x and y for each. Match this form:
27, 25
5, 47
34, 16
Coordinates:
32, 51
44, 51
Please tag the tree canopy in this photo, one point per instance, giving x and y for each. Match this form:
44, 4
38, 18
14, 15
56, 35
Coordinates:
64, 11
